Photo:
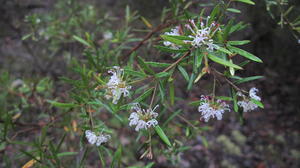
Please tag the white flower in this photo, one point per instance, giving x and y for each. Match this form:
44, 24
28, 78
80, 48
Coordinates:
94, 139
173, 32
211, 109
246, 103
142, 119
203, 36
116, 86
107, 35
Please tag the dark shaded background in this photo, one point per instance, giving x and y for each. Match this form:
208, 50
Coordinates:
269, 138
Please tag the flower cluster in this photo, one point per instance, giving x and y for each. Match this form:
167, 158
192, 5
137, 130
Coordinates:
94, 139
211, 109
116, 86
173, 32
142, 119
203, 36
246, 103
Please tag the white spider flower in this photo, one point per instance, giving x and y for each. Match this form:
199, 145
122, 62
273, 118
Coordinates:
116, 86
94, 139
211, 109
202, 37
173, 32
143, 119
246, 103
107, 35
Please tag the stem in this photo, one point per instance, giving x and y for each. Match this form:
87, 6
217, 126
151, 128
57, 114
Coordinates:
187, 121
153, 96
228, 81
214, 88
175, 63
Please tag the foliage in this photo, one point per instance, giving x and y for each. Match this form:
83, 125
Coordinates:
120, 71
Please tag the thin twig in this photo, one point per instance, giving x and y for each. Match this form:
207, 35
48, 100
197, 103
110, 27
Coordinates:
175, 63
228, 81
149, 35
153, 96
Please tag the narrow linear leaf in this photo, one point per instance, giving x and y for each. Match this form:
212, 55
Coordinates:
251, 78
183, 72
245, 54
246, 2
162, 135
234, 97
143, 96
82, 41
134, 73
117, 158
158, 64
174, 114
162, 91
146, 22
191, 81
223, 62
170, 50
224, 50
66, 154
179, 37
258, 103
243, 42
145, 66
233, 10
195, 103
172, 92
162, 74
199, 55
62, 105
173, 39
224, 98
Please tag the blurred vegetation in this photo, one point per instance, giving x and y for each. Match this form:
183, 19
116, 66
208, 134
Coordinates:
45, 80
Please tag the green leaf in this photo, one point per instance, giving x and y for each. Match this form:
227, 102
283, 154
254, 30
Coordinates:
233, 10
134, 73
183, 72
246, 1
117, 158
172, 39
162, 135
234, 97
174, 114
170, 50
214, 13
172, 92
62, 105
224, 98
198, 57
245, 54
82, 41
179, 37
143, 96
66, 154
224, 50
251, 78
150, 165
223, 62
195, 103
145, 66
191, 81
161, 74
157, 64
257, 103
243, 42
162, 91
108, 108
